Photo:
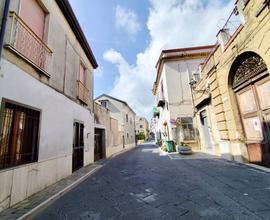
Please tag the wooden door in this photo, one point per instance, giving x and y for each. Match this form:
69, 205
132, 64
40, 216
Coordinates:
98, 144
78, 146
254, 105
206, 133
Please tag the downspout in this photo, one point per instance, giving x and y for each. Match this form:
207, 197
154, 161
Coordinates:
3, 26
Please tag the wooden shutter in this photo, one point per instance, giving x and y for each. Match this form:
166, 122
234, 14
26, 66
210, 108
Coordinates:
34, 16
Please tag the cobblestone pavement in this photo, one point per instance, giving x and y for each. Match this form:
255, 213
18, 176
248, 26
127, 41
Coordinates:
142, 184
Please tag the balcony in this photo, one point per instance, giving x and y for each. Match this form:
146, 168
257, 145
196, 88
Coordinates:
83, 94
155, 112
230, 30
25, 43
161, 103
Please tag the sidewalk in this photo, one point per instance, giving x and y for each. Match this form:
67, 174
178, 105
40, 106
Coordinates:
30, 205
22, 209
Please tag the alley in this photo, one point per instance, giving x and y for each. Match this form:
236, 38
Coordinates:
142, 184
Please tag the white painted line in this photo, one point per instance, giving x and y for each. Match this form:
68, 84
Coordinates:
58, 194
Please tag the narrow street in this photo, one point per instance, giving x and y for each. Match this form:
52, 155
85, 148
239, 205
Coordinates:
142, 184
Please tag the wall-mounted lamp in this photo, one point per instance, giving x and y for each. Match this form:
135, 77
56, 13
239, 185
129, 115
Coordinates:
193, 83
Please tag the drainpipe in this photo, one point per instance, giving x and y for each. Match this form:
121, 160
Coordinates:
3, 26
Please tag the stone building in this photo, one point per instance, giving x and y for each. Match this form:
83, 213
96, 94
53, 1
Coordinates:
142, 126
232, 97
123, 113
46, 96
173, 111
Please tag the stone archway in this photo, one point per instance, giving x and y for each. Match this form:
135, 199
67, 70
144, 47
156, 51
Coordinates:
250, 82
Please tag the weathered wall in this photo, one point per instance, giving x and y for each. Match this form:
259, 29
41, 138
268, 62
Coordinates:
114, 136
55, 140
118, 111
63, 65
254, 36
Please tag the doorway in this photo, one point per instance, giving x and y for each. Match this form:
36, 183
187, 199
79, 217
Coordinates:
99, 150
254, 106
205, 129
251, 85
78, 146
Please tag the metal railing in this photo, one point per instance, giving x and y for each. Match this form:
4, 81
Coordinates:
232, 25
27, 44
83, 94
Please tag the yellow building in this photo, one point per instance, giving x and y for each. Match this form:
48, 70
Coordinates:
232, 97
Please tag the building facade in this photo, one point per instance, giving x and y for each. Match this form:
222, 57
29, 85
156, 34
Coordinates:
123, 113
232, 98
108, 137
173, 111
46, 96
142, 126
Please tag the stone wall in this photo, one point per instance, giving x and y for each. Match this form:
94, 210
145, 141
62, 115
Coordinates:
251, 36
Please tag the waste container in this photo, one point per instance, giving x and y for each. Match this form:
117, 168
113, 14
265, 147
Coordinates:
170, 146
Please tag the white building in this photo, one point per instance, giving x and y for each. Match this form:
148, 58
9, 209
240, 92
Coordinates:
174, 108
123, 113
46, 97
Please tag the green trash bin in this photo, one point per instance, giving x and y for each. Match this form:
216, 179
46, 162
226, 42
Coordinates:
170, 146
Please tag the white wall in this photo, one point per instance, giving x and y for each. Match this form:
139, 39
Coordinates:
56, 133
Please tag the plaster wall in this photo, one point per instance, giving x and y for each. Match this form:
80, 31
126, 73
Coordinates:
67, 53
55, 135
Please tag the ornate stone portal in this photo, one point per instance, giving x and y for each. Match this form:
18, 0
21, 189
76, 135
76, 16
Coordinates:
249, 68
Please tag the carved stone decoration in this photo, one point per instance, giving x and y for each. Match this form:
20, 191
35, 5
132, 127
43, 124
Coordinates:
249, 68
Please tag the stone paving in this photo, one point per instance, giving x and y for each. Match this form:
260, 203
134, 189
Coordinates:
28, 204
144, 184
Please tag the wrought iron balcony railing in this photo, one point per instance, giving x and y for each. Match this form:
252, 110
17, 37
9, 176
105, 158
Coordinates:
27, 44
230, 29
84, 94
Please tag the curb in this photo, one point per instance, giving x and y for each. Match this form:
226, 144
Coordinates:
69, 187
58, 194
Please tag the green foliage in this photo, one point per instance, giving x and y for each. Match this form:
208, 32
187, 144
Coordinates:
141, 136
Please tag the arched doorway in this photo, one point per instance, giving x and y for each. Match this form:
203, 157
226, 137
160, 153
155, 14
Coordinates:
250, 82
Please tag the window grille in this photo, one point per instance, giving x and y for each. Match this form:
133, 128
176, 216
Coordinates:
19, 135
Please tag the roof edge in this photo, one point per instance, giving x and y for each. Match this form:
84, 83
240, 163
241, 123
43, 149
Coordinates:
67, 11
116, 99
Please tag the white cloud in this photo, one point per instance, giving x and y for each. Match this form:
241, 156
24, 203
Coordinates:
171, 24
127, 19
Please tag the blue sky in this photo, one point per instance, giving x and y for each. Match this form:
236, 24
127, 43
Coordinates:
97, 19
127, 37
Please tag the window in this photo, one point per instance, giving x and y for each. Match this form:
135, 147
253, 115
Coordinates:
19, 135
130, 121
141, 126
127, 135
84, 92
104, 104
82, 76
187, 128
78, 135
126, 117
